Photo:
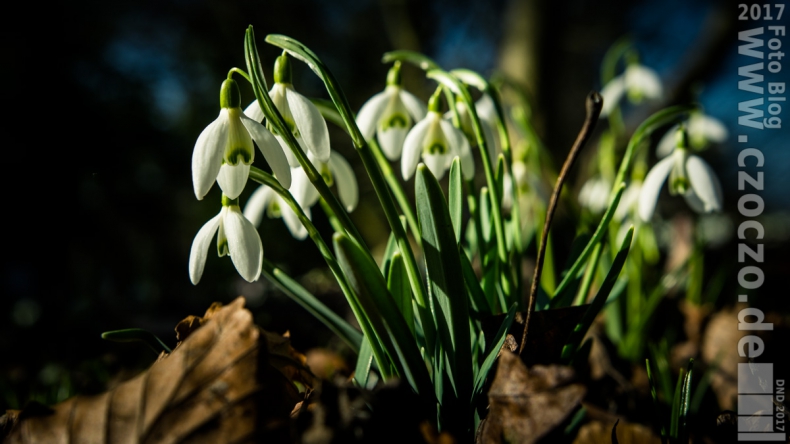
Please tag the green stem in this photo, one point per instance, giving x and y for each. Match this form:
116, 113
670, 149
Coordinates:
589, 275
397, 191
275, 119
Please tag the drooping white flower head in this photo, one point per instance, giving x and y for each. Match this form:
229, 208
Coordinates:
594, 194
337, 171
390, 114
488, 122
224, 150
689, 176
702, 130
300, 115
638, 82
236, 237
437, 142
266, 200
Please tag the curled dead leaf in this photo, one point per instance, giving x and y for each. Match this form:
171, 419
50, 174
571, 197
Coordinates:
525, 404
218, 385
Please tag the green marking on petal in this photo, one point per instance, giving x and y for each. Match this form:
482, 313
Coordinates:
395, 121
327, 175
235, 155
680, 185
436, 148
274, 210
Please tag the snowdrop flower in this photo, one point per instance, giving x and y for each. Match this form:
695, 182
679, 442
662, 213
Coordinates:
638, 82
437, 141
337, 171
702, 130
236, 237
266, 200
390, 114
224, 150
688, 174
594, 194
487, 114
300, 115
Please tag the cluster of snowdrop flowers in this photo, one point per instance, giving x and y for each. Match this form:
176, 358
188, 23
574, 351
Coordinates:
224, 152
437, 142
336, 171
689, 176
300, 115
638, 82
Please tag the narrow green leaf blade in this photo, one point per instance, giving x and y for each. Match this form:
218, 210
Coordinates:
600, 299
456, 197
364, 362
398, 285
602, 228
377, 303
137, 335
443, 263
493, 351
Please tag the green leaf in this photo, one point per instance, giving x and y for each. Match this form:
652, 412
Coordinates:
479, 301
685, 401
677, 399
398, 285
415, 58
656, 403
445, 276
364, 362
456, 197
137, 335
382, 312
486, 224
493, 351
600, 299
301, 296
577, 267
500, 176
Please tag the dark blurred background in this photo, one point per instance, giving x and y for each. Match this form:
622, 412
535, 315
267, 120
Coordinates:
106, 100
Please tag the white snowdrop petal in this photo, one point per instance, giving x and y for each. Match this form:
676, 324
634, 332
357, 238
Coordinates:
257, 204
345, 179
668, 142
302, 189
232, 178
199, 251
311, 124
694, 201
207, 155
437, 163
612, 93
292, 221
391, 141
369, 114
644, 79
254, 112
651, 187
244, 245
412, 148
271, 149
461, 149
416, 108
704, 183
710, 128
486, 110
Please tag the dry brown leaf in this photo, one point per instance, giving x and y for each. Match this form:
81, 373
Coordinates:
527, 404
597, 432
216, 386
